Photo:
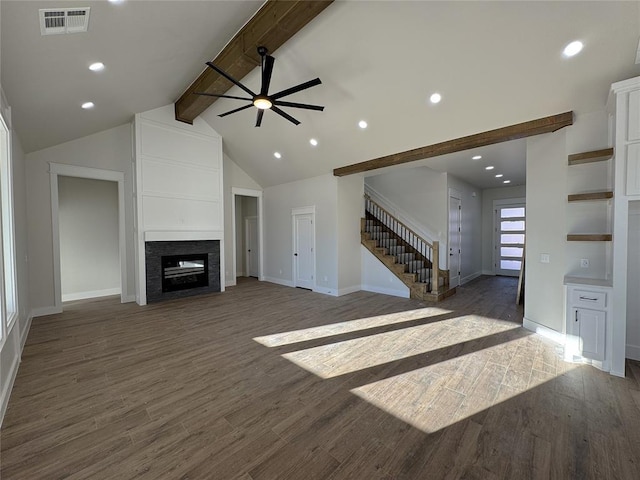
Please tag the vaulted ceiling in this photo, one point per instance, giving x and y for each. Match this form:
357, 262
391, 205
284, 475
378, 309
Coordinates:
494, 63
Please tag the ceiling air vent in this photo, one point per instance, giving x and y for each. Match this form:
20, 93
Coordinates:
63, 20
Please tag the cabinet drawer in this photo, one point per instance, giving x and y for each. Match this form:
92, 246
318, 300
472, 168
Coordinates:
589, 299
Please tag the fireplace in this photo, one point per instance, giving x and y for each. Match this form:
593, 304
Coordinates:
181, 268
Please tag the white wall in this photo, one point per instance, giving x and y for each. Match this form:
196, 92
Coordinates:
488, 196
376, 277
279, 200
89, 240
633, 282
234, 177
108, 150
421, 194
546, 210
471, 229
350, 205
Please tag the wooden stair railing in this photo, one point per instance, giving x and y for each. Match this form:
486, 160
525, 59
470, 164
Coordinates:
412, 258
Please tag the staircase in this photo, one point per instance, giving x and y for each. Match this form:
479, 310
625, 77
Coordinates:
411, 258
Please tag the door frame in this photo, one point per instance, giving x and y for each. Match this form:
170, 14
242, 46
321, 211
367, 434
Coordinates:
59, 169
458, 196
247, 272
310, 210
246, 192
500, 203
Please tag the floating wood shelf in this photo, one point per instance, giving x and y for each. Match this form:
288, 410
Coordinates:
578, 197
589, 237
593, 156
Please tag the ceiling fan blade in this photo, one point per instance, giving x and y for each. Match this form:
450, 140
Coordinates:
285, 115
298, 105
231, 79
222, 96
297, 88
259, 117
236, 110
267, 70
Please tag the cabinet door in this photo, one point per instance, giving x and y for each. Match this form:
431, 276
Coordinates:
591, 328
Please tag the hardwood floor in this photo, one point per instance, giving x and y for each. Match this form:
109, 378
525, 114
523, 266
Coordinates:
269, 382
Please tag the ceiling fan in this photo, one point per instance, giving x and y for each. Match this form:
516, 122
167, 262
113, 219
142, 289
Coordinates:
263, 101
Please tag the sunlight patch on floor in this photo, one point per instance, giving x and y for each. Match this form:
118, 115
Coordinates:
349, 356
439, 395
323, 331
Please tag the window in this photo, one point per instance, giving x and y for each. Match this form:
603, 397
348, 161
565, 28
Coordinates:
9, 310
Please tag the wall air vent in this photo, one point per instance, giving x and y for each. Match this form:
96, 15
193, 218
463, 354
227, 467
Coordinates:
63, 20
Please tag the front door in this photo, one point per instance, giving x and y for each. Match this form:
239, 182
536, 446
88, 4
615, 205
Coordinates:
509, 243
303, 254
455, 240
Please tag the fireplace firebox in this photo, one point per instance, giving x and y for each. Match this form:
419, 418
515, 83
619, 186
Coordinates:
180, 272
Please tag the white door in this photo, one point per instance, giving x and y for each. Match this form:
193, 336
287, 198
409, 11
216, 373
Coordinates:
253, 252
455, 240
509, 242
303, 254
591, 325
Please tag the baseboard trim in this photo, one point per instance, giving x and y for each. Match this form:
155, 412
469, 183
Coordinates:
468, 278
43, 311
325, 291
544, 331
128, 299
488, 272
386, 291
24, 334
279, 281
348, 290
230, 283
8, 387
633, 352
106, 292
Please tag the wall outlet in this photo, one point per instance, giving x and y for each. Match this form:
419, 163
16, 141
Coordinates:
544, 258
325, 278
280, 272
584, 262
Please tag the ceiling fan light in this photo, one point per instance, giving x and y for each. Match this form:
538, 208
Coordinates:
262, 103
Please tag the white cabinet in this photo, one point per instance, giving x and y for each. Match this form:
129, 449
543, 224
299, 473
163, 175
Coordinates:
588, 312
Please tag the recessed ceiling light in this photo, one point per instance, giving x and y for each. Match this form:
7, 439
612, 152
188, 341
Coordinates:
116, 1
313, 142
362, 124
499, 175
277, 154
572, 49
88, 105
435, 98
476, 157
506, 181
490, 167
96, 67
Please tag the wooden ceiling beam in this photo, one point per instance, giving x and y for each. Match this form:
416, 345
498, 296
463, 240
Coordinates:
505, 134
275, 23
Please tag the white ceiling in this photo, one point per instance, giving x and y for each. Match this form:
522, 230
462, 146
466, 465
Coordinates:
495, 64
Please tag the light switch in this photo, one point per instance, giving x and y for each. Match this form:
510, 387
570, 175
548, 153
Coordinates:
544, 258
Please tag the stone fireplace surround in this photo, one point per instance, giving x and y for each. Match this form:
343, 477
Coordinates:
154, 251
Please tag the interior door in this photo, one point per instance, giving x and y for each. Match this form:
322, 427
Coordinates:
303, 254
510, 236
455, 240
253, 247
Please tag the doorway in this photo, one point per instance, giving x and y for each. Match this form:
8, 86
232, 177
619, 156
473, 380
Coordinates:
247, 227
57, 170
304, 263
509, 240
455, 237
